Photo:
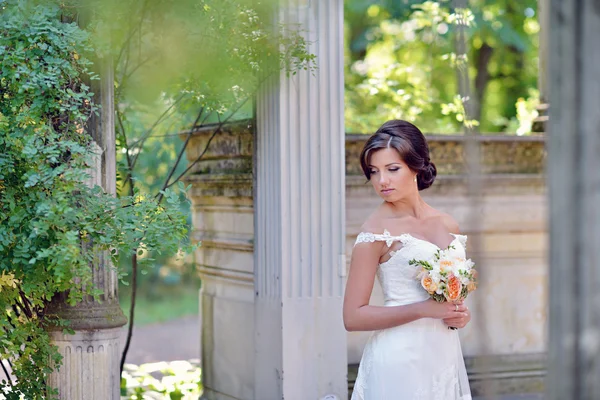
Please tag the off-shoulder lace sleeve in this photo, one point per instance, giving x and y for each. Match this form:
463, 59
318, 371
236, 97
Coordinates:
368, 237
365, 237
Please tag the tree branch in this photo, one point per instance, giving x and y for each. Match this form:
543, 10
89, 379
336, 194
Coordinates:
172, 171
129, 176
134, 265
146, 134
127, 75
217, 130
482, 78
8, 376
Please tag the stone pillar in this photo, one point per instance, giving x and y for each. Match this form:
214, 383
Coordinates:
90, 367
574, 189
223, 215
299, 264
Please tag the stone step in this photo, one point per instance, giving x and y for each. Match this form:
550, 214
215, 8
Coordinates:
523, 396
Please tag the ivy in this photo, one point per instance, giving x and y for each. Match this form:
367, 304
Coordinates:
52, 224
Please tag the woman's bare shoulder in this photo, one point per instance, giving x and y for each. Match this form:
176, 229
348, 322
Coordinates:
450, 223
379, 222
447, 220
374, 223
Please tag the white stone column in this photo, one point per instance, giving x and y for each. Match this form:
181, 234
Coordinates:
90, 366
574, 188
300, 341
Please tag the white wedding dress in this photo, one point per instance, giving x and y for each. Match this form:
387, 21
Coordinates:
419, 360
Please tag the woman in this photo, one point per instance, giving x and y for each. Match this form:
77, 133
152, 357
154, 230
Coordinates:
412, 354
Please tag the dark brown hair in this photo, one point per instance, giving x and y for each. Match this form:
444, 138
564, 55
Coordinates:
411, 145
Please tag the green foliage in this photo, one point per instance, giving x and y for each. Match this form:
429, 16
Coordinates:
43, 105
403, 74
457, 108
52, 225
213, 51
527, 112
177, 380
183, 65
401, 62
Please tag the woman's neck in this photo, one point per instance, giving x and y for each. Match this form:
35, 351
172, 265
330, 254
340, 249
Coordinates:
413, 206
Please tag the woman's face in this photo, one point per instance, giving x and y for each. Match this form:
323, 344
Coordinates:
390, 176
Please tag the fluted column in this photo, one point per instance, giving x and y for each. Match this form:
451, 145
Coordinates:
574, 188
300, 342
90, 367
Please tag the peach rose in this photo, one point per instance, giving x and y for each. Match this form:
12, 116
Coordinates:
428, 283
433, 287
446, 265
453, 288
471, 286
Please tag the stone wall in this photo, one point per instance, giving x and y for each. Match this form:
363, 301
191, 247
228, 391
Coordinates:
505, 343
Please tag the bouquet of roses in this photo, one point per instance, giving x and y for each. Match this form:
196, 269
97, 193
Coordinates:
447, 277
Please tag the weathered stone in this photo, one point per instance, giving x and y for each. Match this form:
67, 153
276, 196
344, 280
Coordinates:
90, 369
499, 154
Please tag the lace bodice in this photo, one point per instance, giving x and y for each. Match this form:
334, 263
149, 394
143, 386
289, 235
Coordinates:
396, 276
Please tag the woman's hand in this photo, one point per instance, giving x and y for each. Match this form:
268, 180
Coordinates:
460, 319
445, 311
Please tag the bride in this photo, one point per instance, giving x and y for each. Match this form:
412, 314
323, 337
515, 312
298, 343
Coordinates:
412, 354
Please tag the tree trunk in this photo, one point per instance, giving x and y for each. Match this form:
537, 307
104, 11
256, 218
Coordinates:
484, 55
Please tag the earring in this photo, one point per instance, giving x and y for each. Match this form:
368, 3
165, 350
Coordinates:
415, 178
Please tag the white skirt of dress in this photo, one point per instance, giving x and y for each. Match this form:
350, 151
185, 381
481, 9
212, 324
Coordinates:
421, 360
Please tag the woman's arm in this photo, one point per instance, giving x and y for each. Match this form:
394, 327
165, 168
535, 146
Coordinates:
360, 316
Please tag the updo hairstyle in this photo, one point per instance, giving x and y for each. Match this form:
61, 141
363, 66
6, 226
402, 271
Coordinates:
410, 144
